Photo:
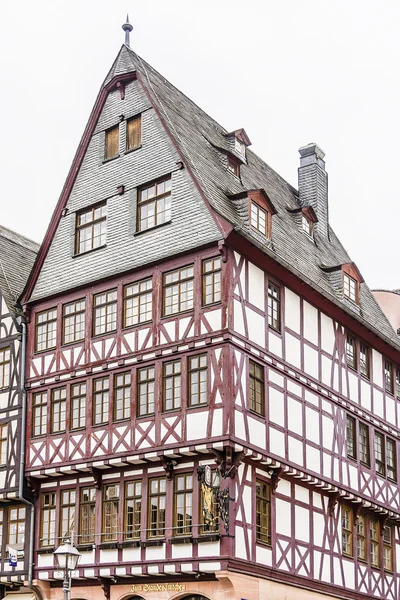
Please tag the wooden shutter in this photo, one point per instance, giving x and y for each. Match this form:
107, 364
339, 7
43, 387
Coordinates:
112, 142
134, 133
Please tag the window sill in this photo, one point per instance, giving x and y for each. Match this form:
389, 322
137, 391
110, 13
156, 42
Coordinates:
108, 545
212, 304
181, 539
129, 150
207, 538
152, 228
107, 160
264, 544
145, 416
202, 405
257, 414
48, 550
77, 254
86, 547
69, 344
150, 543
45, 350
173, 315
129, 544
104, 334
135, 325
275, 330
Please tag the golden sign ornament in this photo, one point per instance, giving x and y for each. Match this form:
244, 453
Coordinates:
159, 587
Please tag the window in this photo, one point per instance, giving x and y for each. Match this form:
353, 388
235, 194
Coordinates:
58, 409
211, 280
45, 330
259, 218
105, 312
134, 132
78, 405
39, 413
48, 519
73, 321
351, 355
178, 290
133, 510
110, 512
111, 143
154, 204
388, 377
387, 548
101, 396
197, 378
364, 360
183, 505
233, 166
67, 513
397, 382
351, 437
307, 225
16, 525
240, 148
4, 367
256, 388
138, 302
391, 470
87, 516
145, 379
350, 287
347, 530
122, 396
361, 538
3, 443
156, 511
374, 542
274, 307
172, 385
363, 444
263, 512
91, 228
379, 454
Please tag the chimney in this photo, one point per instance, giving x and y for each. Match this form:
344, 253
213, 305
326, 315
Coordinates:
313, 185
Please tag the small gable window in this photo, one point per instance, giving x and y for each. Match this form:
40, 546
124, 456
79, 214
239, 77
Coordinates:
307, 225
233, 167
154, 204
240, 148
350, 287
111, 149
259, 218
134, 132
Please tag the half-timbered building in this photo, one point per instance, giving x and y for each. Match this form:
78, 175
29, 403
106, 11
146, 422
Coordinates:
214, 392
17, 255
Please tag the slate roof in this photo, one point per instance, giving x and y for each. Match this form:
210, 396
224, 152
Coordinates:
198, 137
17, 255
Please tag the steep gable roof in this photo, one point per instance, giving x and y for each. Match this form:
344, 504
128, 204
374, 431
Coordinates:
17, 255
199, 139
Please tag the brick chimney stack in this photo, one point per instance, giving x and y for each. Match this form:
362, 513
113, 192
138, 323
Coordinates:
313, 185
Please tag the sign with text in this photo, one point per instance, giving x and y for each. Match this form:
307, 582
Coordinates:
159, 587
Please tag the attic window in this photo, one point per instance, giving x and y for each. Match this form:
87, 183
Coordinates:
350, 287
259, 218
233, 166
307, 225
240, 148
111, 148
134, 132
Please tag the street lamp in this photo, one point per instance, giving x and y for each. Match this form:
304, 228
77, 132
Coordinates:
67, 558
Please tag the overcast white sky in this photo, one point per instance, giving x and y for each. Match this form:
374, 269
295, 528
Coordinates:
288, 71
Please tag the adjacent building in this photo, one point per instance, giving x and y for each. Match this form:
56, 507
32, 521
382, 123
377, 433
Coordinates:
213, 390
17, 255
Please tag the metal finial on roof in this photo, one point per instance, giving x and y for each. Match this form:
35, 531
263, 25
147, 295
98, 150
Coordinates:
127, 27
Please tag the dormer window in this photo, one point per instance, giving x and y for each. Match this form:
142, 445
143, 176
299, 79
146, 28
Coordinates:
307, 225
240, 148
259, 218
233, 166
350, 287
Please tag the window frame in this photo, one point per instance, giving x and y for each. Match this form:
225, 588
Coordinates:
97, 392
348, 280
351, 357
179, 283
159, 528
51, 509
365, 371
3, 443
351, 448
70, 507
91, 225
5, 367
156, 199
105, 305
365, 427
199, 370
267, 216
61, 404
253, 366
380, 462
233, 166
149, 381
173, 376
216, 274
266, 501
347, 517
90, 536
139, 295
136, 496
74, 316
79, 396
187, 492
20, 519
46, 325
361, 536
124, 386
113, 534
43, 413
274, 303
388, 376
387, 545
